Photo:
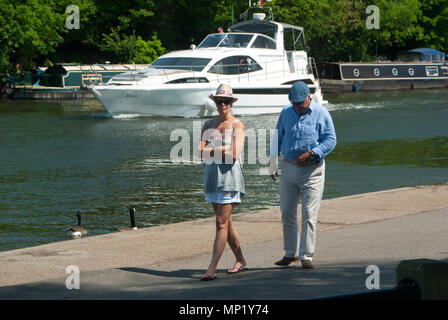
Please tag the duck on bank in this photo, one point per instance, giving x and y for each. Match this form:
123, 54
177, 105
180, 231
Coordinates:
133, 226
77, 231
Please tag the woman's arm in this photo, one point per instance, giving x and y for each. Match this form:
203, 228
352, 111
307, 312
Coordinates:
204, 140
205, 149
237, 147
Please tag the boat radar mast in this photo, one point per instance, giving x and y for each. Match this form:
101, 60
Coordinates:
258, 6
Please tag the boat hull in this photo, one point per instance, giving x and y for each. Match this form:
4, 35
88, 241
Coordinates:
344, 76
331, 85
191, 101
154, 101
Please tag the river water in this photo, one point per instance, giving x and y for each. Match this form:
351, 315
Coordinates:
58, 157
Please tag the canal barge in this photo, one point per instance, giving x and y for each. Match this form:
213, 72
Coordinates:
417, 68
67, 81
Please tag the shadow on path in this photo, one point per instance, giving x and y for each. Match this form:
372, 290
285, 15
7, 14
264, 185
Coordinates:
290, 283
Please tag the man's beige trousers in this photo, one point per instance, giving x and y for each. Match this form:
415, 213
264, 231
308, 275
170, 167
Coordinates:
305, 184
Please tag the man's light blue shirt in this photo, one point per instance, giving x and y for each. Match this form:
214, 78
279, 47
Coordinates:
311, 131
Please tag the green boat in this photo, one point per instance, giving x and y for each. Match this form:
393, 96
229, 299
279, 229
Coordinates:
67, 81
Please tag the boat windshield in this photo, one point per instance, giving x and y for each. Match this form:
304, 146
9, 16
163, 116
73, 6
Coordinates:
229, 40
181, 63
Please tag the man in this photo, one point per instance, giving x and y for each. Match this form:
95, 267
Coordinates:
305, 134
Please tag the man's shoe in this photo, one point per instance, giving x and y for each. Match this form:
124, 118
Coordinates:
307, 264
286, 261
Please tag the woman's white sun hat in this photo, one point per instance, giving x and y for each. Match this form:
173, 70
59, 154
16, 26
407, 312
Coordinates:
224, 91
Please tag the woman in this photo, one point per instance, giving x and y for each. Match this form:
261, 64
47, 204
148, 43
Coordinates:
221, 145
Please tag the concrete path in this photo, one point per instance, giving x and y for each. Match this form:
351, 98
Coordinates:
166, 262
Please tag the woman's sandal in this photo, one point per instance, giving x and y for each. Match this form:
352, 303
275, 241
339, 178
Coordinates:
209, 277
237, 269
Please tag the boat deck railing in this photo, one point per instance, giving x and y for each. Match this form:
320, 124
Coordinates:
273, 69
312, 67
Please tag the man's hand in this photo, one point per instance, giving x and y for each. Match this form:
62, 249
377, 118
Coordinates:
304, 158
273, 167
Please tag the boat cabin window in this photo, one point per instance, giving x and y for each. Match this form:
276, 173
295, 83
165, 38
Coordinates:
226, 40
181, 63
212, 40
294, 40
190, 80
264, 43
235, 65
236, 40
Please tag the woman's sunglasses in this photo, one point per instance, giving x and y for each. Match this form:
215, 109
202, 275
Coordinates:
226, 101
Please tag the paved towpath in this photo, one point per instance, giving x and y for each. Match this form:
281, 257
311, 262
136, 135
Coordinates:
166, 262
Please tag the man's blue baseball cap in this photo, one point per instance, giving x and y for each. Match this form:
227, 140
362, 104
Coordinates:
299, 92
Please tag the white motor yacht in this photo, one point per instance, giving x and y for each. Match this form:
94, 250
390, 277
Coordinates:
259, 58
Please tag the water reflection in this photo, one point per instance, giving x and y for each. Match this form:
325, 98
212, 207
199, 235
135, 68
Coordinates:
58, 157
425, 153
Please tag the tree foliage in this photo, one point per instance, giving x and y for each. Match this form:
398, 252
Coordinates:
434, 21
133, 49
28, 28
138, 31
336, 30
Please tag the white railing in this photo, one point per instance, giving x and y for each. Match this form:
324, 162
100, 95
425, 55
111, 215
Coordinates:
312, 67
273, 69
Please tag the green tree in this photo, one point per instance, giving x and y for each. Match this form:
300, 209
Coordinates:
146, 51
139, 30
179, 23
399, 25
336, 29
131, 37
132, 49
28, 28
78, 45
434, 23
332, 28
113, 30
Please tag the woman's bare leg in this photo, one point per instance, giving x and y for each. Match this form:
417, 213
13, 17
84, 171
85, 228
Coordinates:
225, 232
223, 212
234, 243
